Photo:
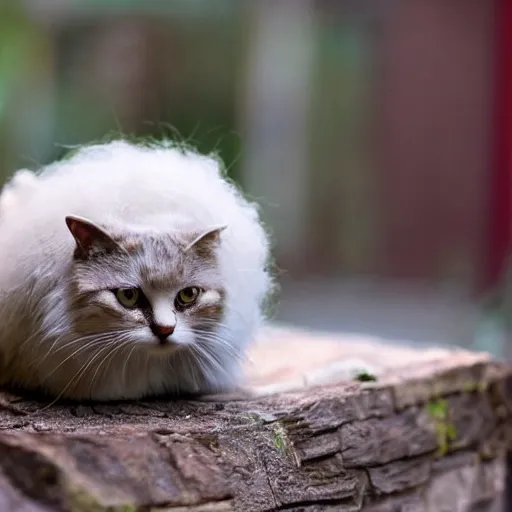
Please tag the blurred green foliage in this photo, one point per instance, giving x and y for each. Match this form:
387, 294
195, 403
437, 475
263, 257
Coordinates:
50, 99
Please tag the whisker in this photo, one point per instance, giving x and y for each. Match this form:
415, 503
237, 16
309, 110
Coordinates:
77, 351
105, 359
27, 341
209, 356
104, 336
202, 360
219, 341
82, 368
76, 341
95, 340
123, 372
198, 359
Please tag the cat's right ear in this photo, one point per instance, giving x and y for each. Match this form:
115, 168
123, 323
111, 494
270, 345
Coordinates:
90, 239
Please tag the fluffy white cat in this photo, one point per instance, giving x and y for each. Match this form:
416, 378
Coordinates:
128, 271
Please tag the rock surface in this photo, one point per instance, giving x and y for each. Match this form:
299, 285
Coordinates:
431, 434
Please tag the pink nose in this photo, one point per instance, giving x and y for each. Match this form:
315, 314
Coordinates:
162, 332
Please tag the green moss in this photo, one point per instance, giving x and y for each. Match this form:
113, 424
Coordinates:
81, 501
445, 431
470, 387
364, 376
474, 387
438, 409
279, 437
259, 417
279, 441
445, 434
481, 387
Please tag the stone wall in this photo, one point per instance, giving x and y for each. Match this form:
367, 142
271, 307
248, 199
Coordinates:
428, 436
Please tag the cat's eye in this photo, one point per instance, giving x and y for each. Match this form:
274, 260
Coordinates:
187, 296
128, 297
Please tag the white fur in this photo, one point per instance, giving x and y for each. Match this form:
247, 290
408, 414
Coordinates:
126, 185
162, 308
19, 187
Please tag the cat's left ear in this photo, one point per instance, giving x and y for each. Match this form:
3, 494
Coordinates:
90, 239
209, 238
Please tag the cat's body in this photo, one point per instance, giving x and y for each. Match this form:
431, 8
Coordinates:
153, 220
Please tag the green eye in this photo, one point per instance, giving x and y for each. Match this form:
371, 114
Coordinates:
128, 297
187, 296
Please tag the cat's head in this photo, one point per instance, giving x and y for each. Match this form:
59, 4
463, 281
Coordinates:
158, 291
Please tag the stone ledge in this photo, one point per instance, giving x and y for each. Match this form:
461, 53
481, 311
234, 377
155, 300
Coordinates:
430, 435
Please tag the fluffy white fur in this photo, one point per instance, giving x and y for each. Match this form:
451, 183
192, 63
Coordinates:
119, 184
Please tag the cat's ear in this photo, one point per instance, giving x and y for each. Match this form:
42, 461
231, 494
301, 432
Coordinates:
90, 239
205, 239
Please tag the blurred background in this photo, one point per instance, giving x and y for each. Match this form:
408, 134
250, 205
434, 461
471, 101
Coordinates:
372, 132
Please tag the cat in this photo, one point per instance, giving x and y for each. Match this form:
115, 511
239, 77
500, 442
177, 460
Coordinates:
129, 271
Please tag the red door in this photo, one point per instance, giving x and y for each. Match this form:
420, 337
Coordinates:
500, 207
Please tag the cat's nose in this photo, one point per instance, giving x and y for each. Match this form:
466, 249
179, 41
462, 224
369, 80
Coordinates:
162, 332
